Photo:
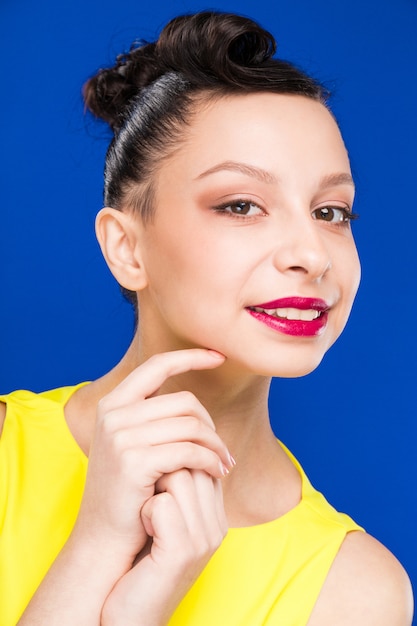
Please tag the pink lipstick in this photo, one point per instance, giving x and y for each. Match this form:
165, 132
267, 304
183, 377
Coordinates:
299, 317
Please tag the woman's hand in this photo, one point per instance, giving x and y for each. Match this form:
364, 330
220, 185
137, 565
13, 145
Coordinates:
187, 523
138, 439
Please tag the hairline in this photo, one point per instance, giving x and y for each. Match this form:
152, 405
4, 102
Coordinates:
139, 198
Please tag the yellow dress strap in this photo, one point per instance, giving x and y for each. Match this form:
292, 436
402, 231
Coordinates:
60, 395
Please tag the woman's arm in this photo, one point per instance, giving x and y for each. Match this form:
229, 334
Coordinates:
136, 442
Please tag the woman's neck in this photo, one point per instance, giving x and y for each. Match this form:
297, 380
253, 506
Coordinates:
264, 484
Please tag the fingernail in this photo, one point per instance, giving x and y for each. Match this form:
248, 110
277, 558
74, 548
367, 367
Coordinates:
224, 470
232, 460
216, 355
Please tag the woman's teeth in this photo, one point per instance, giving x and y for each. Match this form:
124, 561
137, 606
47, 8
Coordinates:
307, 315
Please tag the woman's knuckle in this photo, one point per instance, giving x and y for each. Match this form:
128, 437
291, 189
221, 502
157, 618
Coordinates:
106, 424
104, 405
188, 400
127, 458
118, 441
189, 450
205, 549
196, 427
157, 359
161, 502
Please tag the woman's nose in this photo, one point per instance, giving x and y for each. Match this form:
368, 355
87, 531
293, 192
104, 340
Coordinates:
302, 249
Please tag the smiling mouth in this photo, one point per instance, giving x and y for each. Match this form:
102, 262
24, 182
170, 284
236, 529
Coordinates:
301, 317
290, 313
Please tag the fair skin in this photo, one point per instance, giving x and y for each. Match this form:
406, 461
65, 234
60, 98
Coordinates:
283, 159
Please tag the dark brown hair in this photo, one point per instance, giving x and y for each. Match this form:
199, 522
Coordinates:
149, 96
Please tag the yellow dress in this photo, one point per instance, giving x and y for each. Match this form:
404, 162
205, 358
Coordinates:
268, 575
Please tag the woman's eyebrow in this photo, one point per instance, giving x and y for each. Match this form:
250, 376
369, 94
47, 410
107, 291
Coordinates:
332, 180
236, 166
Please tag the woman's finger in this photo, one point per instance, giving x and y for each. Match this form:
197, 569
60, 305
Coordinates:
200, 500
146, 379
153, 462
183, 541
169, 430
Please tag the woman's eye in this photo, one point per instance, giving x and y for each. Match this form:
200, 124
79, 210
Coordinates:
240, 207
333, 214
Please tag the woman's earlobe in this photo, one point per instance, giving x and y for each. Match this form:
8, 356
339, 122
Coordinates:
118, 236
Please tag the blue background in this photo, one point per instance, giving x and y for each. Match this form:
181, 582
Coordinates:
352, 423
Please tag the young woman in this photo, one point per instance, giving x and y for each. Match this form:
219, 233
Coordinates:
228, 198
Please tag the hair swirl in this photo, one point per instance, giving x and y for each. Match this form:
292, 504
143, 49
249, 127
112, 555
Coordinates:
209, 49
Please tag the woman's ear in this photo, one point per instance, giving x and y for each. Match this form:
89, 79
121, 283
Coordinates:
118, 236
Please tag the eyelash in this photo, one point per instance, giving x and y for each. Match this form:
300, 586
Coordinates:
221, 208
346, 214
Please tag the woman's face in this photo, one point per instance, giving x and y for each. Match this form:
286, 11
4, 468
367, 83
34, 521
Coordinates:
250, 251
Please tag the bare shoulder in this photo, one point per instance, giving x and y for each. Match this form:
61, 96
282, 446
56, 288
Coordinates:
366, 586
2, 415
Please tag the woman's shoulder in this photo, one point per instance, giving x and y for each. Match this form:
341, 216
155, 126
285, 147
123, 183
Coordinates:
366, 586
20, 398
24, 404
31, 399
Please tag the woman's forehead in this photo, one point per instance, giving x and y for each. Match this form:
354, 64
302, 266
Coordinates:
262, 131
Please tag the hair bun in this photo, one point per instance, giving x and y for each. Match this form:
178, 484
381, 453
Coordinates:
108, 93
215, 44
206, 48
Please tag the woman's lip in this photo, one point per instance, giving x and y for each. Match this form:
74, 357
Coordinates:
294, 302
295, 328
